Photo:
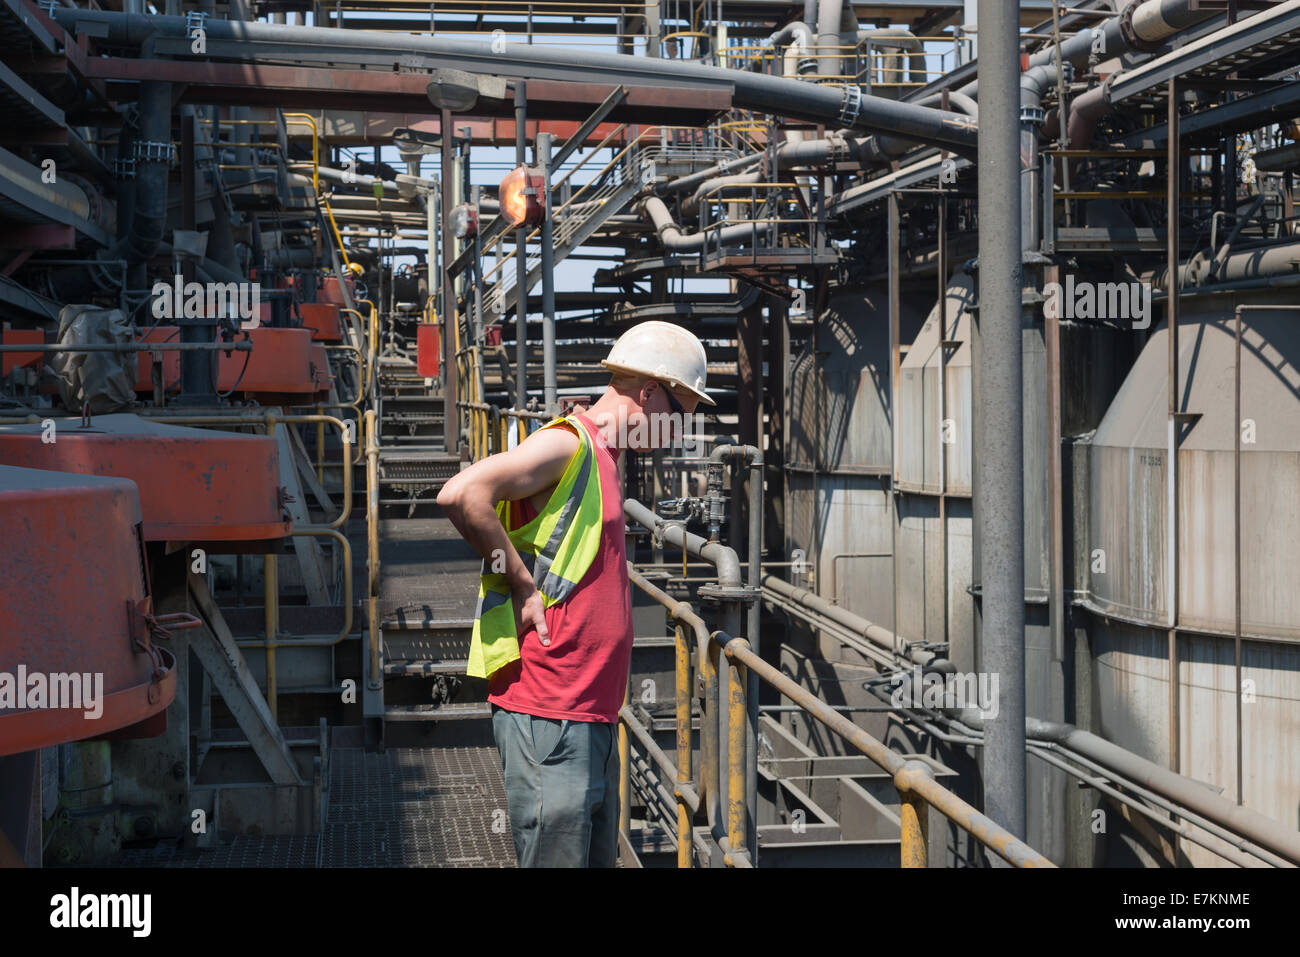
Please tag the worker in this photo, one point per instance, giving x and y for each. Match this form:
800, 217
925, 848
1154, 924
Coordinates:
555, 641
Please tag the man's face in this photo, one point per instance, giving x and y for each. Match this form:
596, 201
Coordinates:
663, 417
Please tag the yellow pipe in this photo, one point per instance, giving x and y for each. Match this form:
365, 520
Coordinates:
329, 213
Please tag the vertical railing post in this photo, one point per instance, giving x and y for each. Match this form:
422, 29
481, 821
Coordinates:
683, 702
624, 772
710, 747
372, 546
735, 759
914, 815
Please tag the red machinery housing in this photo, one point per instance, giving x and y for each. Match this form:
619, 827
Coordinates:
76, 600
195, 484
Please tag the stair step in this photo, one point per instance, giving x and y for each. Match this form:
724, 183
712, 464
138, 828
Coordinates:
439, 667
463, 711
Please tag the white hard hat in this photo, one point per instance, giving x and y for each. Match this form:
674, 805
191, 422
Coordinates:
661, 350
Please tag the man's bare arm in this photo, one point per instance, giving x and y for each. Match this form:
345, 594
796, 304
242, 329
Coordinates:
469, 500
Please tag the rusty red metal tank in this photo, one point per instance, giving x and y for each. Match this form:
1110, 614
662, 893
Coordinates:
77, 658
279, 369
20, 337
322, 318
320, 367
330, 292
195, 485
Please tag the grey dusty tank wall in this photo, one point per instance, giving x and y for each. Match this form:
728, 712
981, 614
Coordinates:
839, 423
1127, 525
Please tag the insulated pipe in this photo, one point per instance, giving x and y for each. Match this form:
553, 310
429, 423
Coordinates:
829, 15
673, 239
1280, 259
149, 209
1032, 84
1085, 110
1194, 795
796, 151
894, 38
799, 36
830, 105
1159, 19
999, 459
876, 634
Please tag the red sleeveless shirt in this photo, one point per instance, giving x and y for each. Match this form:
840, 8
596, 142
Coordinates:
582, 674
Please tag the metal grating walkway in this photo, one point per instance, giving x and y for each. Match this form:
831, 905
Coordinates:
404, 807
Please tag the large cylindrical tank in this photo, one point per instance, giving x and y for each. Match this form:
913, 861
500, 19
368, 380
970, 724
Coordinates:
1129, 571
73, 570
839, 510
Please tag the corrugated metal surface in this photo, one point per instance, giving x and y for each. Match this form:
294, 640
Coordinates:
1128, 513
1131, 675
920, 419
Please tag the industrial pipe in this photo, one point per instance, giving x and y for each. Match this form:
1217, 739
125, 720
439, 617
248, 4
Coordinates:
151, 154
840, 106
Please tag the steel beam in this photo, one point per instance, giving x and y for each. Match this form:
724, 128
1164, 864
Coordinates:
318, 87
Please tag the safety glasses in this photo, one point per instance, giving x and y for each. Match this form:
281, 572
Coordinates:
673, 404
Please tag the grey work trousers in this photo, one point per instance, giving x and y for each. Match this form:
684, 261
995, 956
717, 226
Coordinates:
561, 789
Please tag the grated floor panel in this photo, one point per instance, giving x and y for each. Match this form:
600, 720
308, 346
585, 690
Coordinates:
404, 807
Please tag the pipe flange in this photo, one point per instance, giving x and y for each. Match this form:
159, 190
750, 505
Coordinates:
838, 151
1130, 35
1032, 115
803, 66
194, 20
151, 151
716, 592
124, 168
48, 7
851, 105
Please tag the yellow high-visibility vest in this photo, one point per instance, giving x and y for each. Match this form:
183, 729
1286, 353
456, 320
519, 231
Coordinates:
564, 538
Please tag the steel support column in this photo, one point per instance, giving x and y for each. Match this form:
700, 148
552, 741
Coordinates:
521, 259
550, 393
1000, 459
450, 385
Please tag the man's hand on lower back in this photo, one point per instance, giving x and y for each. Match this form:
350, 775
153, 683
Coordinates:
530, 612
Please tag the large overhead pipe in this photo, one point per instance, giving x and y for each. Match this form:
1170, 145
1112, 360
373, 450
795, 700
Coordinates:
999, 450
833, 105
796, 151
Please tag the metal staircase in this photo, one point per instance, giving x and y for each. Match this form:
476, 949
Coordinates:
574, 222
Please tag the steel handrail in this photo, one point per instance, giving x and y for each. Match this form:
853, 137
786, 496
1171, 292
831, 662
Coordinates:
914, 780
